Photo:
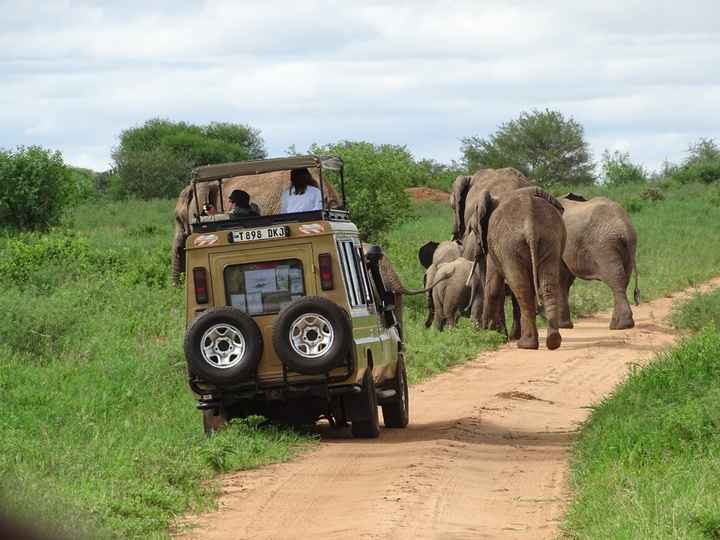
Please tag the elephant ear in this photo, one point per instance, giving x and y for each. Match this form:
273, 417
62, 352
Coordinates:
479, 218
457, 202
574, 197
426, 252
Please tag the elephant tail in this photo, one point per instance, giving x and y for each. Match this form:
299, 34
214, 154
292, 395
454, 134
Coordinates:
636, 292
532, 244
411, 292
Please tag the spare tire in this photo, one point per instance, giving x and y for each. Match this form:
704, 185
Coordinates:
223, 346
312, 335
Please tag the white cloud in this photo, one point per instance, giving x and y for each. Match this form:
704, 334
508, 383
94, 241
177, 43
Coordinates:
639, 75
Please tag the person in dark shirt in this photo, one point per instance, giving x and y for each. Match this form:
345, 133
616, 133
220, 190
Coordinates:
240, 205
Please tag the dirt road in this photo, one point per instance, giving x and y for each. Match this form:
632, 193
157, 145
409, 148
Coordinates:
486, 455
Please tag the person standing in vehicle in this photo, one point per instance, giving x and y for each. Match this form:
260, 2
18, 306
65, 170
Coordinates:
302, 195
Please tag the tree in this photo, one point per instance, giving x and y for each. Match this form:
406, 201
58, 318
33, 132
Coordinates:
543, 145
35, 187
375, 178
618, 169
155, 160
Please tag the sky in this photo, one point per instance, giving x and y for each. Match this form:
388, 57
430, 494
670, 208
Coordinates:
641, 76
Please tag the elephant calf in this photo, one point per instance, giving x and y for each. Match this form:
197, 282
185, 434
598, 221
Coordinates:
601, 243
522, 236
452, 294
431, 256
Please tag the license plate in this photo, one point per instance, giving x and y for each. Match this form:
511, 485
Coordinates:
264, 233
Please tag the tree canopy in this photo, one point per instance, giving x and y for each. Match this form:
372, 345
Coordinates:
543, 145
155, 159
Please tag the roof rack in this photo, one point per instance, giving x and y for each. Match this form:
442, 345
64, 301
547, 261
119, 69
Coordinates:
219, 172
209, 173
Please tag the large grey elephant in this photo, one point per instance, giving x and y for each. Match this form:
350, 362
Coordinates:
601, 244
463, 200
452, 294
265, 190
431, 255
521, 235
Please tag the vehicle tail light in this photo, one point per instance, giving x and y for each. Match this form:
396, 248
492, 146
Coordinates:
200, 281
326, 275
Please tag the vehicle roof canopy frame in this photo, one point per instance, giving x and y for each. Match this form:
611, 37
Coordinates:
209, 173
217, 173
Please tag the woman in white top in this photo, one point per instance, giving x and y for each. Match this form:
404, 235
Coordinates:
302, 195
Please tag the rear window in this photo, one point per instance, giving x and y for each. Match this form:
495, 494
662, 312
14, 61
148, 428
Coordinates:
267, 287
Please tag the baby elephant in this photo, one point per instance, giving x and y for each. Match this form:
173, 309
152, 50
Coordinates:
451, 295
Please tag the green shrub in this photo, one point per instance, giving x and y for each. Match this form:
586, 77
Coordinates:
619, 170
543, 145
702, 164
35, 187
155, 160
375, 178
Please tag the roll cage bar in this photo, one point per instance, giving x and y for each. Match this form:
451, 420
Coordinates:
217, 173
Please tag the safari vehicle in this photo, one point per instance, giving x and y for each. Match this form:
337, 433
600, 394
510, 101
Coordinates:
288, 316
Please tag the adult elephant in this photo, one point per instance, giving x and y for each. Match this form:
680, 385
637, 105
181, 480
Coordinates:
431, 255
265, 190
601, 245
466, 193
521, 235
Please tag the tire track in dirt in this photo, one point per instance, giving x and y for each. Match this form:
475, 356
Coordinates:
485, 456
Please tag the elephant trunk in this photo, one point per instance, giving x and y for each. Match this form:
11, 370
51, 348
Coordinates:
636, 292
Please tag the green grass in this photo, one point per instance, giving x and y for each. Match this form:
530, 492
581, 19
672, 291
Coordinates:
701, 310
647, 463
99, 431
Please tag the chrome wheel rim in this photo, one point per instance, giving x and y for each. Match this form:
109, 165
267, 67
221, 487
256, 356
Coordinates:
311, 335
222, 346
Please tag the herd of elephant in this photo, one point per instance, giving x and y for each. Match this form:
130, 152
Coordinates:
509, 238
512, 238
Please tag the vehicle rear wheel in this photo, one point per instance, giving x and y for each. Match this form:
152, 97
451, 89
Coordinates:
365, 421
223, 345
396, 410
312, 335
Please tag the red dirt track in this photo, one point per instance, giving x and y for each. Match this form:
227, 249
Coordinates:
485, 456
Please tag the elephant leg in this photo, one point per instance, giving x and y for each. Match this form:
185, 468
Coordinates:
617, 278
515, 332
566, 281
178, 256
430, 309
521, 284
551, 292
438, 309
494, 299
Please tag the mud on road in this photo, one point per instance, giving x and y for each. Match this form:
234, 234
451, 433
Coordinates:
485, 456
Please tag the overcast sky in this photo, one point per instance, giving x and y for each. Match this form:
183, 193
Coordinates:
641, 76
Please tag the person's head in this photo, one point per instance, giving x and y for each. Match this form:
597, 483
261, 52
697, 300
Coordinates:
301, 179
240, 199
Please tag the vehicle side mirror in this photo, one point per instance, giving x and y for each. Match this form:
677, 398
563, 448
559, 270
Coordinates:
387, 298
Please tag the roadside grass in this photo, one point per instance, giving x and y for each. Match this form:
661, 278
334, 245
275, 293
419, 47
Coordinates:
700, 311
647, 463
99, 432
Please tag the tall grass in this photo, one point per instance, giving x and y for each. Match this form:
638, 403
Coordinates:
647, 464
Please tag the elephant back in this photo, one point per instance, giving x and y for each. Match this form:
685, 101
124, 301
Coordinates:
494, 181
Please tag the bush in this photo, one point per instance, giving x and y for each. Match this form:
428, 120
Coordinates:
375, 178
619, 170
35, 187
543, 145
702, 165
155, 160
